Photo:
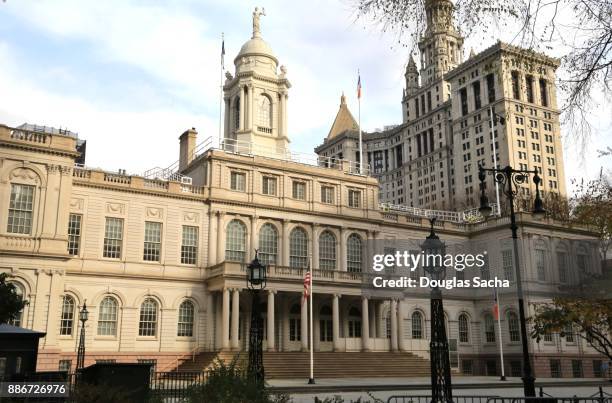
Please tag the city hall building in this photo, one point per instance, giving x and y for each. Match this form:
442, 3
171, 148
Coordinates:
160, 259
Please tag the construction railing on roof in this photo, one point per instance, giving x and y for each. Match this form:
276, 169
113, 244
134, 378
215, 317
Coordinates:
466, 216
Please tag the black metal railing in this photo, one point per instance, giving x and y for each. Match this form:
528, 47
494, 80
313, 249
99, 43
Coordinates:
427, 399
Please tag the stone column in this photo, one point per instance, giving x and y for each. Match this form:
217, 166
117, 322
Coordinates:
365, 324
284, 98
242, 106
212, 239
285, 244
304, 326
271, 344
315, 247
393, 325
209, 326
400, 326
250, 122
342, 255
220, 237
336, 322
372, 320
226, 130
225, 320
381, 322
235, 343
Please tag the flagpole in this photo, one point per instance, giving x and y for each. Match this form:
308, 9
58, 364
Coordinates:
221, 85
359, 119
492, 119
499, 329
311, 380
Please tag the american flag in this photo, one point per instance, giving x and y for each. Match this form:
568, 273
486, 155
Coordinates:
358, 85
495, 304
222, 51
307, 284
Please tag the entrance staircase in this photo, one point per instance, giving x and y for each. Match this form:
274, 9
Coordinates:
287, 365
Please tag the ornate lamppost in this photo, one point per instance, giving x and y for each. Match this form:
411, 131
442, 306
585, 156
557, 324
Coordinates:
510, 179
83, 316
256, 281
441, 388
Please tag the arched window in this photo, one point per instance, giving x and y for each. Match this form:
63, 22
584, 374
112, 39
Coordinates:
265, 112
147, 326
185, 319
19, 317
464, 328
67, 320
295, 323
417, 325
268, 244
353, 253
489, 328
235, 244
107, 317
325, 324
354, 322
327, 251
298, 248
513, 327
236, 113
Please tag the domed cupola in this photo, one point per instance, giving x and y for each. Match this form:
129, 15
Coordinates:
256, 54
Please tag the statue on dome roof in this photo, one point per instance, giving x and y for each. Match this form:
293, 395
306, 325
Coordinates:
256, 25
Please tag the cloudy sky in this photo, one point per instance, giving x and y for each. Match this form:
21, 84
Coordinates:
131, 75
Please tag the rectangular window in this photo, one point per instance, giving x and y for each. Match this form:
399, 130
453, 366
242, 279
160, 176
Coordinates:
476, 90
20, 211
597, 369
429, 101
516, 369
65, 365
491, 367
543, 92
74, 234
269, 186
152, 241
577, 369
238, 181
106, 361
464, 102
299, 190
540, 268
295, 329
416, 106
327, 194
467, 367
354, 198
113, 238
516, 85
491, 88
555, 368
507, 265
189, 246
529, 85
325, 330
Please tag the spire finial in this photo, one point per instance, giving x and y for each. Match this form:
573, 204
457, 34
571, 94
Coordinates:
342, 99
256, 24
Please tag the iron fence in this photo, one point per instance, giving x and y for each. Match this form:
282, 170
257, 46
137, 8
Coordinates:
427, 399
174, 386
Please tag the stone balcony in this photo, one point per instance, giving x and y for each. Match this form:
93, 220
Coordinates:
40, 141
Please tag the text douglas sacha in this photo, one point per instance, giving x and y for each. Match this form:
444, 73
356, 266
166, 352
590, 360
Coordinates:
426, 282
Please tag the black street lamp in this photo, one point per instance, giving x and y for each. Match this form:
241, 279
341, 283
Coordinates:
510, 179
256, 281
441, 388
83, 316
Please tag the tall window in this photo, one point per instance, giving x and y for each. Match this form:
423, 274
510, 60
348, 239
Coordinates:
540, 267
327, 194
152, 241
491, 88
529, 85
295, 323
235, 244
74, 234
325, 324
543, 92
353, 253
189, 245
20, 211
107, 317
269, 185
464, 328
464, 101
489, 328
354, 323
236, 113
513, 327
417, 325
298, 248
562, 262
185, 319
265, 112
327, 251
516, 93
568, 332
238, 181
113, 237
147, 326
354, 198
67, 320
268, 244
299, 190
476, 90
507, 265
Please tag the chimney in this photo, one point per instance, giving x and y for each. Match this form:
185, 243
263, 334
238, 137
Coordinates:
188, 145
